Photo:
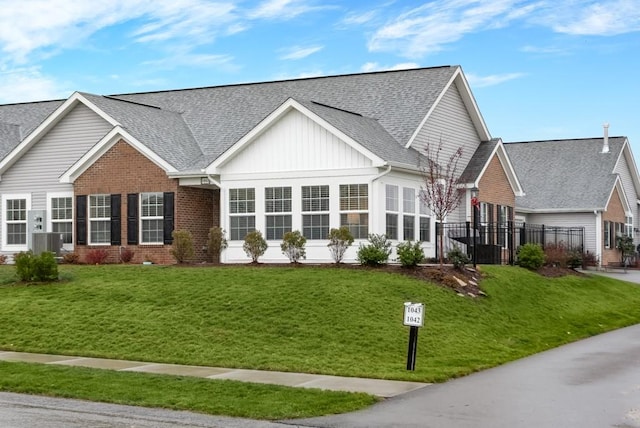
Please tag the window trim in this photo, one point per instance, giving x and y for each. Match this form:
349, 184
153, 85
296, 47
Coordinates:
348, 199
391, 211
50, 220
15, 196
90, 219
311, 213
275, 213
142, 218
246, 213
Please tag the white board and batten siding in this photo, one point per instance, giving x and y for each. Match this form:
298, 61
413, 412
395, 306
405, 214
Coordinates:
296, 143
38, 171
450, 123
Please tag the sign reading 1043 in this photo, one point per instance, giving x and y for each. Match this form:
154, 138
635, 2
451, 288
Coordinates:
414, 314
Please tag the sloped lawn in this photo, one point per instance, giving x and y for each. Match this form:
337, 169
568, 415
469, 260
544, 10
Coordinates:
308, 319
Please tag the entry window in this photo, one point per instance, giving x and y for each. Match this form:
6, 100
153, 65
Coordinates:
62, 218
100, 219
152, 218
354, 205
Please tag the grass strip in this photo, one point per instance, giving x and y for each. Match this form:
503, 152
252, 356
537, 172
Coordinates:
214, 397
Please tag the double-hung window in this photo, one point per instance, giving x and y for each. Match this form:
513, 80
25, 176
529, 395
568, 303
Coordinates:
99, 219
61, 209
409, 213
391, 192
354, 206
315, 212
425, 222
15, 221
278, 211
151, 218
242, 208
628, 226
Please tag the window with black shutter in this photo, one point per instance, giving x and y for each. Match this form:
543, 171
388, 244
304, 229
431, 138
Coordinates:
81, 219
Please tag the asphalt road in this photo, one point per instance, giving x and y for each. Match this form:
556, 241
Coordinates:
590, 383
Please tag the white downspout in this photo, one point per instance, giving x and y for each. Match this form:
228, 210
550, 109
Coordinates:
373, 219
598, 249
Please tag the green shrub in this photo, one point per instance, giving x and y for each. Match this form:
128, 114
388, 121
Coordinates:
182, 248
624, 244
254, 245
376, 252
42, 268
531, 256
339, 241
216, 244
293, 246
574, 259
458, 258
410, 254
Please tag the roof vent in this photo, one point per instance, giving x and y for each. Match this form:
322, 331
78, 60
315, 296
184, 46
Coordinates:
605, 146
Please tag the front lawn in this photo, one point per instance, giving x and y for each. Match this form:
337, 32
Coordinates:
305, 319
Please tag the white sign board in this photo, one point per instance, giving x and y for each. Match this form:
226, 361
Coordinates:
413, 314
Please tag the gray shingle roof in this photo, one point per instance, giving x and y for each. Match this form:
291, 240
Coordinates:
190, 128
565, 174
19, 120
478, 161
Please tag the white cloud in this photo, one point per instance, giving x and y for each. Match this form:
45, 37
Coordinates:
593, 18
283, 9
180, 59
491, 80
28, 84
359, 18
545, 50
428, 28
61, 24
299, 52
374, 66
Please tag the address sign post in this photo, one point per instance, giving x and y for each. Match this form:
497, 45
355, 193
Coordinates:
414, 318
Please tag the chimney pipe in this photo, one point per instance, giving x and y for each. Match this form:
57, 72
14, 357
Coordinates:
605, 147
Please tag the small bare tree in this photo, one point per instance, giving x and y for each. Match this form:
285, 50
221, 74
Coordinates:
440, 191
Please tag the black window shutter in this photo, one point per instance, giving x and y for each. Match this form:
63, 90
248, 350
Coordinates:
81, 219
115, 220
132, 219
168, 201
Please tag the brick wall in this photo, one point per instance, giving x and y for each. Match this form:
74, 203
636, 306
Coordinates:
123, 170
494, 187
614, 213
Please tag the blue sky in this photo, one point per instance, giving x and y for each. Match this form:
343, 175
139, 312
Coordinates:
539, 69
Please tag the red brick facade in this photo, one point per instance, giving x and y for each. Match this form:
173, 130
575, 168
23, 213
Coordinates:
615, 214
124, 170
494, 187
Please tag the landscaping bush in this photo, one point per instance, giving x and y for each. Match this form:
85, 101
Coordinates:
293, 246
254, 245
216, 244
556, 254
410, 254
71, 258
182, 248
42, 268
624, 244
3, 259
126, 254
376, 252
589, 259
574, 259
97, 256
458, 258
339, 241
531, 256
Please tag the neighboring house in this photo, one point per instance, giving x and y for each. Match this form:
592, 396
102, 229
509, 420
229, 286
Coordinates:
307, 154
591, 183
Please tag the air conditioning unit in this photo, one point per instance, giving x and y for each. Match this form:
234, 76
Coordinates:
47, 241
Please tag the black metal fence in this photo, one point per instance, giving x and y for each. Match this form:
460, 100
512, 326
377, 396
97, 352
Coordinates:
497, 243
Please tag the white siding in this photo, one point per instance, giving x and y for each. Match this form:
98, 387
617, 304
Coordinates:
586, 220
451, 123
622, 168
296, 143
38, 171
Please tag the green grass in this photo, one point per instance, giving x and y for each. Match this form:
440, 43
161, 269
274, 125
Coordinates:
307, 319
220, 397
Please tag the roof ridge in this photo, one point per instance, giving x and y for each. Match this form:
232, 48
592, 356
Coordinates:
563, 139
109, 97
336, 108
296, 79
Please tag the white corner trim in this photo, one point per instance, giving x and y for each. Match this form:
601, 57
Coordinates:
100, 148
55, 117
271, 119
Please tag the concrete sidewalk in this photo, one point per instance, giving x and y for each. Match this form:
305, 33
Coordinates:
378, 387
